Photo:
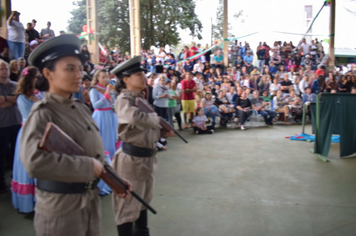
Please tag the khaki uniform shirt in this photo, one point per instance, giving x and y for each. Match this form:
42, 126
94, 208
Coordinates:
74, 118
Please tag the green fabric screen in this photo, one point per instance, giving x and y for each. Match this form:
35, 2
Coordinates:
337, 116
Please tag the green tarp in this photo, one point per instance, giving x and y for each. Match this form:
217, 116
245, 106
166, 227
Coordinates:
337, 116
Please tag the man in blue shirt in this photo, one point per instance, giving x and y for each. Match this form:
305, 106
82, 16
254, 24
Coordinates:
248, 59
218, 61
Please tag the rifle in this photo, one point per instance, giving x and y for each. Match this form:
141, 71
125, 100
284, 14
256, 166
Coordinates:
144, 107
55, 140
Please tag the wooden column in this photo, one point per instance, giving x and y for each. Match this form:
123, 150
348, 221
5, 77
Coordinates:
135, 27
225, 35
332, 35
5, 13
92, 23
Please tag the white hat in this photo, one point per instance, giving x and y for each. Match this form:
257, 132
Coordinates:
33, 42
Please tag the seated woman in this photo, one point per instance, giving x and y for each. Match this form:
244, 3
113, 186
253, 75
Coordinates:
295, 105
243, 106
224, 107
226, 85
273, 88
281, 106
209, 108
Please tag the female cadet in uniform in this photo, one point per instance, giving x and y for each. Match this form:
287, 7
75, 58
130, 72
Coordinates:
136, 161
67, 197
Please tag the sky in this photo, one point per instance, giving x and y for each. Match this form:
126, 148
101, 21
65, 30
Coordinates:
261, 16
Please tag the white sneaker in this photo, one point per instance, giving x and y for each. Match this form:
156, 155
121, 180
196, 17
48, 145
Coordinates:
212, 131
243, 128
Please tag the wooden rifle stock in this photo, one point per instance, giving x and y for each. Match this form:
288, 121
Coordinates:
142, 106
55, 140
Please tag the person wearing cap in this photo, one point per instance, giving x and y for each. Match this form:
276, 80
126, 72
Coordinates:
67, 198
47, 33
136, 161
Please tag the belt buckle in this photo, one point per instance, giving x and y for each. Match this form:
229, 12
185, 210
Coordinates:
90, 185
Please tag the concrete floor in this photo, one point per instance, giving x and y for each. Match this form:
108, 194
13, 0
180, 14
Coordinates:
252, 182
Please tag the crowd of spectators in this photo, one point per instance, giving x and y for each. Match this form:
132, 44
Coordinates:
273, 82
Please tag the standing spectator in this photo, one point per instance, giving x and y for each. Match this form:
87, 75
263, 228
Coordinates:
37, 35
179, 105
267, 56
15, 35
187, 52
172, 101
30, 32
14, 70
161, 95
219, 60
243, 106
314, 50
207, 54
235, 49
260, 105
189, 87
47, 33
276, 59
161, 56
10, 121
84, 51
150, 85
324, 59
261, 55
248, 60
194, 49
305, 47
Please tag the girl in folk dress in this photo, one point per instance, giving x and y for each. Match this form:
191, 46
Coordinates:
102, 97
22, 186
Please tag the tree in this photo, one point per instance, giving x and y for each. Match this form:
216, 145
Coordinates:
160, 20
79, 18
218, 27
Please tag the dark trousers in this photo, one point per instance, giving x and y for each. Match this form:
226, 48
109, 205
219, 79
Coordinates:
8, 137
243, 115
200, 131
297, 112
162, 112
179, 119
265, 115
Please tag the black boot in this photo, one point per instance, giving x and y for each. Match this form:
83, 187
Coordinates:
125, 229
141, 228
213, 125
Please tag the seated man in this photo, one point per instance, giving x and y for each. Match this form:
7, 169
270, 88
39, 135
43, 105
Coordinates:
248, 59
259, 105
286, 84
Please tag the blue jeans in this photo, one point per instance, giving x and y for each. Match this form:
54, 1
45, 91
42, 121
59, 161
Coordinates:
265, 115
213, 110
17, 49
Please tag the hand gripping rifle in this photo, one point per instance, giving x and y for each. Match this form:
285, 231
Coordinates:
144, 107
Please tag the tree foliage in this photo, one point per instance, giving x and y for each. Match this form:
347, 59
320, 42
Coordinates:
160, 21
218, 27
